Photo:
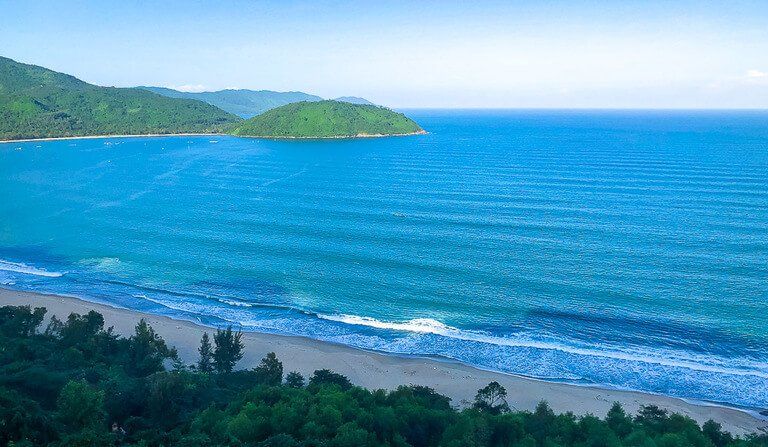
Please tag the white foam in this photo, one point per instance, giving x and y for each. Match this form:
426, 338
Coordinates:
234, 302
18, 267
105, 264
421, 325
430, 326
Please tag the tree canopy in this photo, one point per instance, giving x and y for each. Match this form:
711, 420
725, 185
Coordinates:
326, 119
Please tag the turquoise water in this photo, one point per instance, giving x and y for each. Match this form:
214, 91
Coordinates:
627, 249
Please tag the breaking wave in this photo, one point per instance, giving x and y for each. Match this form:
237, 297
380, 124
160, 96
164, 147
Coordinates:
662, 357
18, 267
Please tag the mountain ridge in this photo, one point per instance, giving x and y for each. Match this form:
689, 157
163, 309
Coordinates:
245, 103
36, 102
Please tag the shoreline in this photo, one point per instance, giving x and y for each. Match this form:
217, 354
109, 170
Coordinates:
374, 370
96, 137
339, 137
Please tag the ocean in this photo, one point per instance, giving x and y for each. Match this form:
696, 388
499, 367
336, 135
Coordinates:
625, 249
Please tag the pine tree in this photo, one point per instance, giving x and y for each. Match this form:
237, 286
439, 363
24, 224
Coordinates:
228, 351
205, 364
270, 371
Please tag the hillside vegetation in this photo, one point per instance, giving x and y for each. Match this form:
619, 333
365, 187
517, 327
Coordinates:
244, 103
326, 119
75, 383
37, 103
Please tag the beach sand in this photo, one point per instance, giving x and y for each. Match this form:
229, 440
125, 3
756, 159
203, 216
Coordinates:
373, 370
95, 137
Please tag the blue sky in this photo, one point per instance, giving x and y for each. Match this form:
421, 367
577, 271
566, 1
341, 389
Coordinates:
614, 54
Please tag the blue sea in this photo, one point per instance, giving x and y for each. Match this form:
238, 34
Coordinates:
625, 249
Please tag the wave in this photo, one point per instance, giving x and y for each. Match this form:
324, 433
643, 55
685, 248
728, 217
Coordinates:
662, 358
236, 302
421, 325
18, 267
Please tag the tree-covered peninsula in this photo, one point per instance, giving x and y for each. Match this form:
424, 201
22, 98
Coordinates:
39, 103
327, 119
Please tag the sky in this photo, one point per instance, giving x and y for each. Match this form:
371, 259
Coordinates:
441, 54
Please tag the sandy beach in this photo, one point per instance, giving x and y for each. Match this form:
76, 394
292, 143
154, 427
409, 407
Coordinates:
373, 370
94, 137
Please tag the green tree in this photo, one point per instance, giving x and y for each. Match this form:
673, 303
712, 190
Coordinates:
20, 321
270, 371
619, 421
294, 379
653, 419
79, 329
492, 399
205, 364
714, 432
228, 351
79, 406
147, 351
327, 377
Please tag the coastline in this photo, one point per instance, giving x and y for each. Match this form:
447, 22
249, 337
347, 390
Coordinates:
340, 137
377, 370
96, 137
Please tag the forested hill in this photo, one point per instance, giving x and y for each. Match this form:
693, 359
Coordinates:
327, 119
244, 103
37, 103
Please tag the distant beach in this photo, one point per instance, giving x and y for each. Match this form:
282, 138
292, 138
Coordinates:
343, 137
373, 370
92, 137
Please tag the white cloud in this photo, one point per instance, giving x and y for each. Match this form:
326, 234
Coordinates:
190, 88
756, 74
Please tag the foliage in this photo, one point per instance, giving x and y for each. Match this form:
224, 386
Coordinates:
77, 384
294, 379
205, 364
37, 103
326, 377
326, 119
228, 351
492, 399
270, 371
80, 406
147, 351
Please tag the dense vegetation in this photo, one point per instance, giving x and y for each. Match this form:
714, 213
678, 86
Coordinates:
326, 119
244, 103
36, 103
75, 383
39, 103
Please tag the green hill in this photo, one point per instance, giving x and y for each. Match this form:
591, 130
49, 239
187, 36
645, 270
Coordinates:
37, 103
326, 119
245, 103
